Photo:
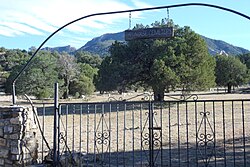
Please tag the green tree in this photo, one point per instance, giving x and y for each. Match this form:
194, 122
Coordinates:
38, 79
10, 58
88, 58
162, 64
83, 84
196, 66
230, 71
162, 78
245, 59
87, 70
108, 77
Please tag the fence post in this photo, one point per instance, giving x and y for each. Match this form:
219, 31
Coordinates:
55, 156
151, 135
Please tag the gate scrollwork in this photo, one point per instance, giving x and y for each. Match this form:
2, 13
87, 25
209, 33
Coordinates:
205, 138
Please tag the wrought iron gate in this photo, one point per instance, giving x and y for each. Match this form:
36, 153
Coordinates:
147, 133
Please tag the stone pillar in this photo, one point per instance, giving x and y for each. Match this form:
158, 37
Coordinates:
18, 142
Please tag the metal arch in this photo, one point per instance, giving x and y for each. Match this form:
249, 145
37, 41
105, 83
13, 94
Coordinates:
116, 12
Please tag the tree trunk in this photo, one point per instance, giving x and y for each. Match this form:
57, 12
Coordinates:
229, 88
159, 95
65, 94
66, 91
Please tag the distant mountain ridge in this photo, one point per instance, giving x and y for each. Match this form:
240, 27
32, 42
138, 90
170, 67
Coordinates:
221, 47
100, 45
61, 49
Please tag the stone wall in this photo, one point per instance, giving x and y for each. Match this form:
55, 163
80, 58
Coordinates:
18, 143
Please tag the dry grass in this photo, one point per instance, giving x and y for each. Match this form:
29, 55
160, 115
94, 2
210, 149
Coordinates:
125, 131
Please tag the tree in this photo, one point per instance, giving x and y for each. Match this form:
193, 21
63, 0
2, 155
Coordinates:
10, 58
82, 86
88, 58
230, 71
108, 78
68, 70
196, 66
87, 70
245, 59
50, 67
32, 50
38, 79
162, 64
162, 77
83, 83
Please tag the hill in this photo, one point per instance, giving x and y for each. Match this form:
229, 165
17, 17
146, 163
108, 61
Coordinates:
100, 45
61, 49
220, 47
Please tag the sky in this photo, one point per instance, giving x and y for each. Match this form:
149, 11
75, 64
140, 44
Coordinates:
26, 23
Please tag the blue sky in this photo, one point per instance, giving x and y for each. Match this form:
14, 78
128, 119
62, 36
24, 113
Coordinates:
26, 23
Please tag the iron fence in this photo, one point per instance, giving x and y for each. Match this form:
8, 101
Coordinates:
148, 133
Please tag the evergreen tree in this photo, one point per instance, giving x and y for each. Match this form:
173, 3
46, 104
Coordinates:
38, 79
230, 71
162, 64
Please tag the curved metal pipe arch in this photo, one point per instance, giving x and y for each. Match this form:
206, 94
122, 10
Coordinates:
116, 12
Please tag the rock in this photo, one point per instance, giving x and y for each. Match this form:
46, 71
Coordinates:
2, 142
